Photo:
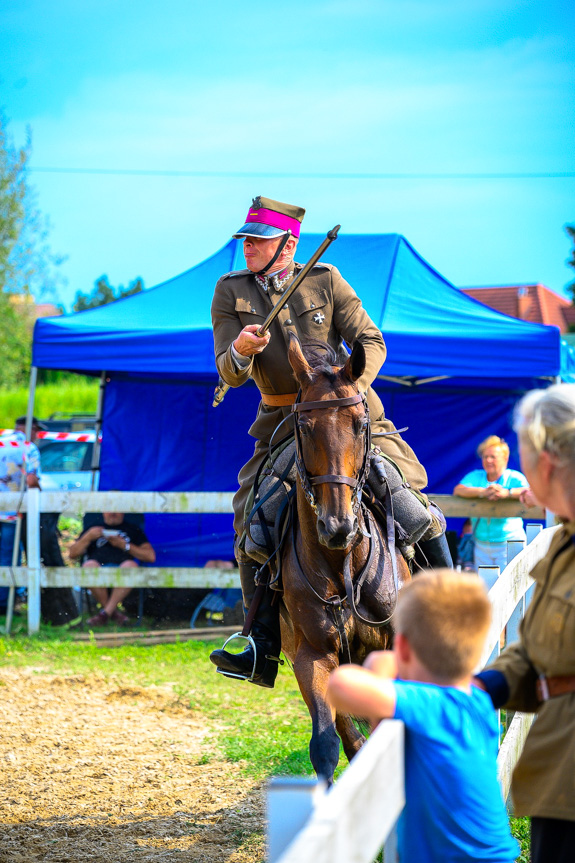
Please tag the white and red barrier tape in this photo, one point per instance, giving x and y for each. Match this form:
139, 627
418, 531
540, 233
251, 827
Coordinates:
88, 437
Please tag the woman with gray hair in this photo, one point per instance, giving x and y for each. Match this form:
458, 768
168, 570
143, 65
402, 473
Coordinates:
537, 674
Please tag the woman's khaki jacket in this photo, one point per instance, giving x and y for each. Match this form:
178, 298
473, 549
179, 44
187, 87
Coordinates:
544, 778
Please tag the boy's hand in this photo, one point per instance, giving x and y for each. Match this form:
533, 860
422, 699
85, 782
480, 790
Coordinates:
383, 663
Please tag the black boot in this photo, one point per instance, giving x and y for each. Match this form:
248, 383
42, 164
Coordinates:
434, 553
265, 632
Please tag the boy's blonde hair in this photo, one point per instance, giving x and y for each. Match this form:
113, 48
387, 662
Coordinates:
445, 616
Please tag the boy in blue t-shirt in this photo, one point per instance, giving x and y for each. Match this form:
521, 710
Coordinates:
454, 810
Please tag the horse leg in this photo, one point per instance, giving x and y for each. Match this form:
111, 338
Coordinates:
312, 670
351, 737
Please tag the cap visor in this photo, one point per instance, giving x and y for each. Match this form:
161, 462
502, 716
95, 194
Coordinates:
255, 229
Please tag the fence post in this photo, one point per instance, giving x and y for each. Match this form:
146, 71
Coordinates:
290, 802
514, 546
489, 574
33, 559
532, 530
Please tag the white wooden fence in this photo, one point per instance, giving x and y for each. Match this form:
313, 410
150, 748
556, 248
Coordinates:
34, 576
352, 821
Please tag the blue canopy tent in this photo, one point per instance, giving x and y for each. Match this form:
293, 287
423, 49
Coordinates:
454, 370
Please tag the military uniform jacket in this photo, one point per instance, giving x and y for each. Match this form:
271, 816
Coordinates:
544, 779
324, 307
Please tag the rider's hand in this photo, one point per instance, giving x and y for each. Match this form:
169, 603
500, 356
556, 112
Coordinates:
247, 343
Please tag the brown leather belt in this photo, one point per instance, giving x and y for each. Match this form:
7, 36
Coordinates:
550, 687
278, 401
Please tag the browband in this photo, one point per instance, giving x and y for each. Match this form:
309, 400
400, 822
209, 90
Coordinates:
327, 403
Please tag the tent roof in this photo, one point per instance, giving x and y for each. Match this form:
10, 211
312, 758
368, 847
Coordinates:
430, 327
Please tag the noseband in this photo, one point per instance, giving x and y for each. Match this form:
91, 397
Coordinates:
307, 481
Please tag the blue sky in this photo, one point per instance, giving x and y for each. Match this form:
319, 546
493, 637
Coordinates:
282, 100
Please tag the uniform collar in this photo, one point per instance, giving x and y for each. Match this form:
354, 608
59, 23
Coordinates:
276, 281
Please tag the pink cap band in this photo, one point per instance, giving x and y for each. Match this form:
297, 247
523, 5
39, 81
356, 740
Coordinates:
275, 220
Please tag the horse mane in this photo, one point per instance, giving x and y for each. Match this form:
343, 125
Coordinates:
321, 357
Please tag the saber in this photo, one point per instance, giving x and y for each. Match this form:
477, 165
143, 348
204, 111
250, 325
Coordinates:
222, 388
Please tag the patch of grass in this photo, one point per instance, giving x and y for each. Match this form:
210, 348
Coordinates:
521, 829
78, 396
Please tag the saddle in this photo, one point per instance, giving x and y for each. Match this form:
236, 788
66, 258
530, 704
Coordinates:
268, 514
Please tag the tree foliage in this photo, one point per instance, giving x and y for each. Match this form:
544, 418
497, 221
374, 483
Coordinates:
571, 262
27, 266
103, 293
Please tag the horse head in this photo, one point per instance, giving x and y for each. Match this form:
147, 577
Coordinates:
332, 437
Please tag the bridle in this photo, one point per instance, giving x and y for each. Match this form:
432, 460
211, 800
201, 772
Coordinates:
352, 590
308, 482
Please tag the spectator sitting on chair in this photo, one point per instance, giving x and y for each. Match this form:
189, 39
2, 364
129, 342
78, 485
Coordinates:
114, 542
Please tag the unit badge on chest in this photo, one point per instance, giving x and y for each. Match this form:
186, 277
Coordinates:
318, 318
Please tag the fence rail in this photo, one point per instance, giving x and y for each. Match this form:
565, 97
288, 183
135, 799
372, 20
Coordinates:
182, 502
352, 821
34, 502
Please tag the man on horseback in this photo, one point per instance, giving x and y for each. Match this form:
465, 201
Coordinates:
325, 307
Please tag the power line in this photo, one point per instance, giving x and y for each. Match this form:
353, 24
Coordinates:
296, 175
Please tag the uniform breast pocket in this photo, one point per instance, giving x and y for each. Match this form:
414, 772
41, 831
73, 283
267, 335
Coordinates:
557, 627
314, 314
249, 311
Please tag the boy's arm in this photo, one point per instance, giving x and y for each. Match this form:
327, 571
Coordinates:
510, 680
355, 690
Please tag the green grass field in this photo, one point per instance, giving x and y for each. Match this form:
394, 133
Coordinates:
266, 733
78, 396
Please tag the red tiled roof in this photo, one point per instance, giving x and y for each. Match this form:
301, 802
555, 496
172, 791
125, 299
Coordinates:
534, 303
46, 310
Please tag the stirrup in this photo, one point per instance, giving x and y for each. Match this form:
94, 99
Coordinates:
250, 640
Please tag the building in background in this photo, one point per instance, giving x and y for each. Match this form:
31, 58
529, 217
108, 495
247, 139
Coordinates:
533, 303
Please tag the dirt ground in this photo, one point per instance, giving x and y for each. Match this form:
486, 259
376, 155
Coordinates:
90, 770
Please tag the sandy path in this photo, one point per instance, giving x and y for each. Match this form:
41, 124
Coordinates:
90, 770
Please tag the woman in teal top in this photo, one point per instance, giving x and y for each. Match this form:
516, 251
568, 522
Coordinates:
494, 482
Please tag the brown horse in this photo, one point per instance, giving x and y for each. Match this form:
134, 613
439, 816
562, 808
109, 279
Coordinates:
340, 582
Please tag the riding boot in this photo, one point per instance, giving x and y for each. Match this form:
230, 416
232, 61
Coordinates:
434, 553
265, 632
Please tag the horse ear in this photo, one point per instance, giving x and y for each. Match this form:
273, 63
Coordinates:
298, 362
355, 366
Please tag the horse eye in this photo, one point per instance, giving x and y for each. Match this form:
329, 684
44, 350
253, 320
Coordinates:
361, 425
303, 428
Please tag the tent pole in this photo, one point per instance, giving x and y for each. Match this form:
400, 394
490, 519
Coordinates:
18, 531
97, 443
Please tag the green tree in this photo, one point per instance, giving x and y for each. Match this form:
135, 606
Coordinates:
27, 266
571, 262
103, 293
